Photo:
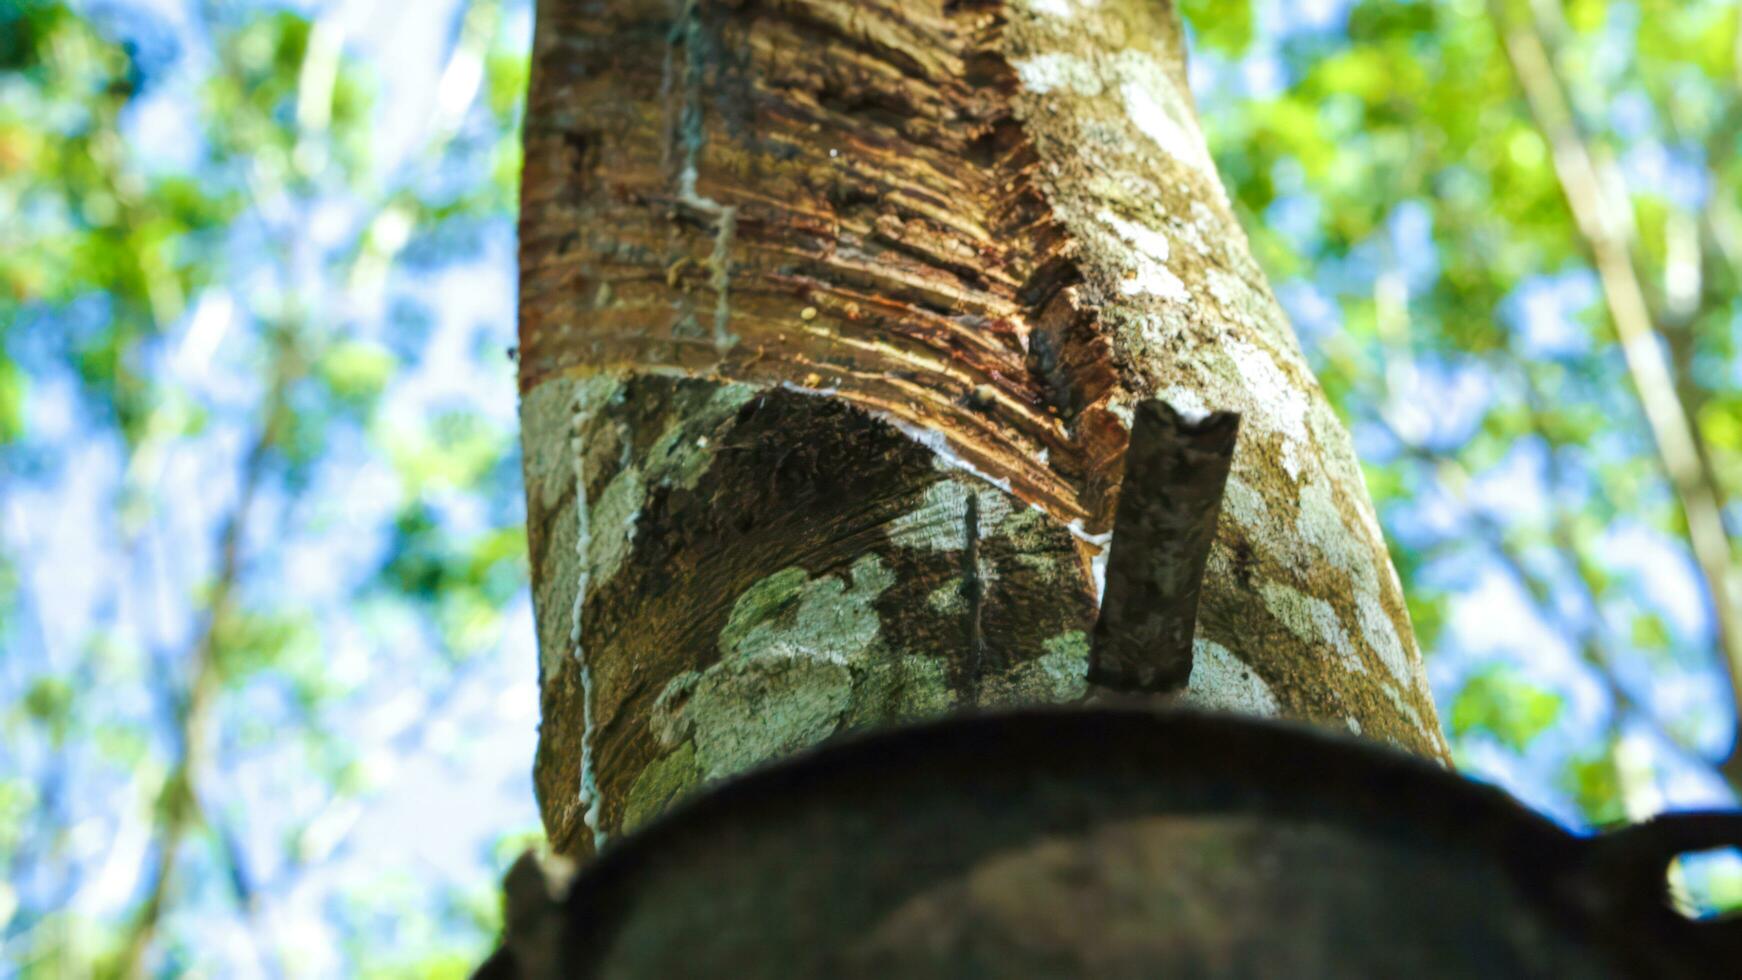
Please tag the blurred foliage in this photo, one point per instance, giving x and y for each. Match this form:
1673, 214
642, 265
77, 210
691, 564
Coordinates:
1497, 702
259, 488
227, 401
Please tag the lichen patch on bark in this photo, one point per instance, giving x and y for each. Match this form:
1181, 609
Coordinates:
779, 587
792, 654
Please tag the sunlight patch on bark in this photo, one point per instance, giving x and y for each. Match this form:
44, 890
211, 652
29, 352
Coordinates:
1220, 682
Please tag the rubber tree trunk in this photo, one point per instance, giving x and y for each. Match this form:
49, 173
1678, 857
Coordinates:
833, 318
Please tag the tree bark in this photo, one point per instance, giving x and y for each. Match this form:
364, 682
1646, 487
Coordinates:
833, 318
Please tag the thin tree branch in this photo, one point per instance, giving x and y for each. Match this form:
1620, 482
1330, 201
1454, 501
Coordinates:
177, 804
229, 851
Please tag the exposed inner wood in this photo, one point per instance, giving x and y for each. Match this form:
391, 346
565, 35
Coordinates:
856, 173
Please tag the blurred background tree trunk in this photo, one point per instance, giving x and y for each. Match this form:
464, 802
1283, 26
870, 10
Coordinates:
1597, 200
833, 315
